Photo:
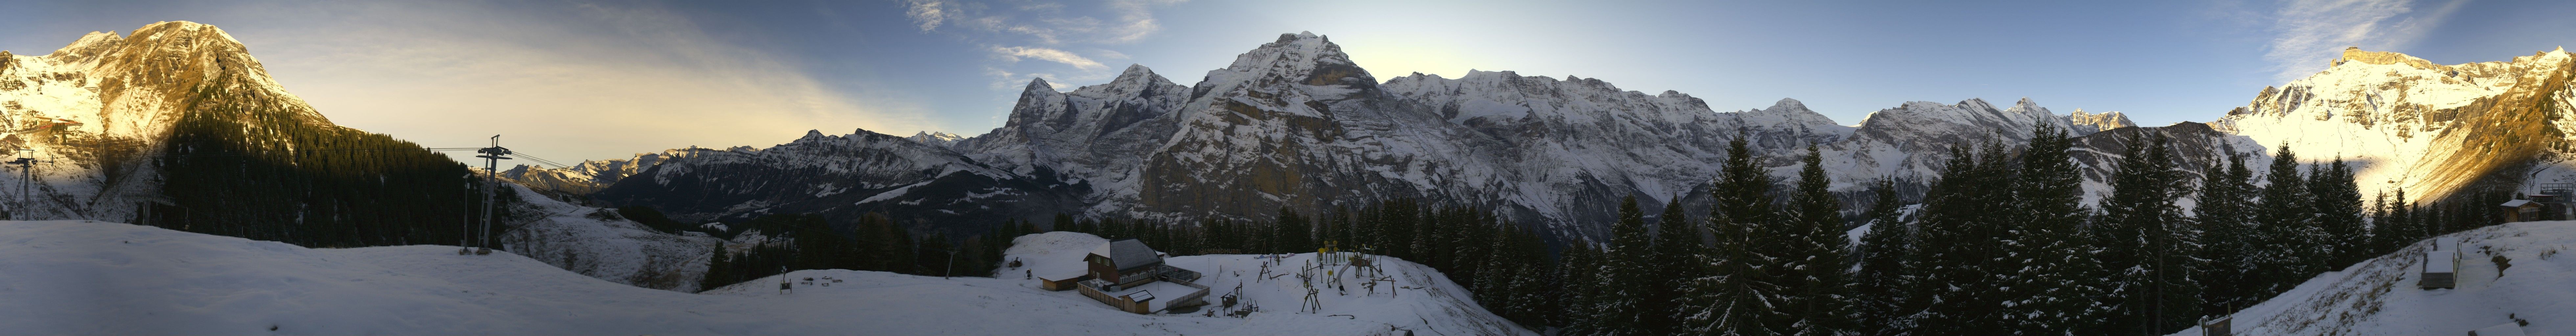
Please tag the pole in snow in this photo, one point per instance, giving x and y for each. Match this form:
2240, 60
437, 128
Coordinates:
952, 263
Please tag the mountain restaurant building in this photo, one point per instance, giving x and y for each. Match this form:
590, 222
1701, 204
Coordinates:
1128, 275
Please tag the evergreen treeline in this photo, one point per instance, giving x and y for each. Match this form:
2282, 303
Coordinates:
873, 243
2004, 244
265, 173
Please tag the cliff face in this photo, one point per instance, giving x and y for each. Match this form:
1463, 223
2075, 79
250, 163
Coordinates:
2432, 130
100, 108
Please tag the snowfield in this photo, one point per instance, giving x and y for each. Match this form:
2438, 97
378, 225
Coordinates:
2380, 297
100, 278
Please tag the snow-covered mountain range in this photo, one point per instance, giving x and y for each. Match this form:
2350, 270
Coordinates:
1295, 124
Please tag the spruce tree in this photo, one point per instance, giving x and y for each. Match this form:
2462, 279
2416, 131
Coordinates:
2223, 211
1886, 295
1964, 267
1677, 242
1818, 270
2058, 289
1582, 270
1623, 307
1735, 295
2338, 203
2149, 243
2286, 228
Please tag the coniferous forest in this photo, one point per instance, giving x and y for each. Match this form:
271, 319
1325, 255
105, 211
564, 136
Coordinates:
2003, 244
266, 173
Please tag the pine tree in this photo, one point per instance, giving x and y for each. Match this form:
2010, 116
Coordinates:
1819, 272
1623, 308
2149, 243
2286, 227
1582, 270
1885, 290
2338, 203
1677, 243
2223, 210
2058, 290
1963, 268
1735, 296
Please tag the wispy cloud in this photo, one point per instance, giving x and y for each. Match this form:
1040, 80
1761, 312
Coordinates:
927, 13
2310, 32
1042, 30
1014, 54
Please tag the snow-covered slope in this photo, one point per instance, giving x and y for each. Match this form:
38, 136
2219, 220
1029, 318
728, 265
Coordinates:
599, 243
841, 176
99, 278
1419, 299
2432, 130
2380, 296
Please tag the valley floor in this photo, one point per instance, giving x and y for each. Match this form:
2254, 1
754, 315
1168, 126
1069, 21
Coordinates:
2380, 296
99, 278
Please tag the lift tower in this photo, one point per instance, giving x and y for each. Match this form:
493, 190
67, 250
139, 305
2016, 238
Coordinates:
492, 157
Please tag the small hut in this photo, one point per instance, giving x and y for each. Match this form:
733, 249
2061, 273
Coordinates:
2521, 210
2222, 325
2441, 265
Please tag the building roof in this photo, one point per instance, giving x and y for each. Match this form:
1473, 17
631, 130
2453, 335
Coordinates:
1128, 253
2439, 262
2516, 203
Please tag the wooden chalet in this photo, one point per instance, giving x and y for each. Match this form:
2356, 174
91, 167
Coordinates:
1128, 275
2521, 210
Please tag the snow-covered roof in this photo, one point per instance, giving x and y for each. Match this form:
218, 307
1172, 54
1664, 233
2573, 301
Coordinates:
1128, 253
2440, 262
2516, 203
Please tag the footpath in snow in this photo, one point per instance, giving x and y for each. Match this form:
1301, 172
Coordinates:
2380, 296
100, 278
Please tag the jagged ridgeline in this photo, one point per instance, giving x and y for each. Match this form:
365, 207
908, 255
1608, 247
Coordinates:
178, 126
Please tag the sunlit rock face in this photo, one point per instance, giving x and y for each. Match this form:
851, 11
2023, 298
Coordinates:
2432, 130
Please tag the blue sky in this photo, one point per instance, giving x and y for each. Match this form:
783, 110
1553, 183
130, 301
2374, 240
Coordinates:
573, 80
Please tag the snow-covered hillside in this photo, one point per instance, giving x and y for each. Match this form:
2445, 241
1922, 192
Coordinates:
599, 243
2380, 296
1419, 299
100, 278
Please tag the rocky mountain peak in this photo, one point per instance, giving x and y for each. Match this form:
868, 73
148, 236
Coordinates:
2088, 123
1037, 84
2355, 54
88, 47
1787, 103
1302, 58
941, 139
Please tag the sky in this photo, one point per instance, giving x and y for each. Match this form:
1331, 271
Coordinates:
575, 80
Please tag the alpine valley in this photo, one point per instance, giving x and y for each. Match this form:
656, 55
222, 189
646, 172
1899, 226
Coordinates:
1294, 124
246, 203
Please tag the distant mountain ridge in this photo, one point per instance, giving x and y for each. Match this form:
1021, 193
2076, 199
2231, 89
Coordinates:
1295, 124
